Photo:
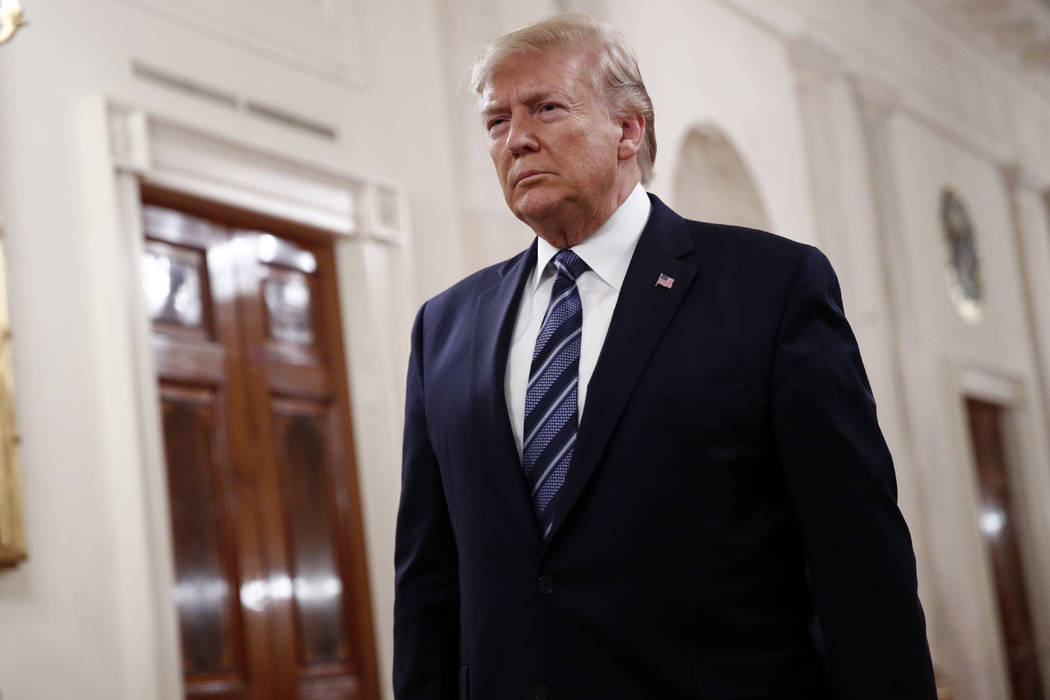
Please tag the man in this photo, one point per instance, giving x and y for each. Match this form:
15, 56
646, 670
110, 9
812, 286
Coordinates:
641, 458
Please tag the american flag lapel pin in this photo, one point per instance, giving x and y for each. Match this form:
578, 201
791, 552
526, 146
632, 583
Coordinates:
664, 281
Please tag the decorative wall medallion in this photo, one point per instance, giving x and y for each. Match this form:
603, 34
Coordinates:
960, 245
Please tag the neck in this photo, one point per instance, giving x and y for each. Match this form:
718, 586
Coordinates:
564, 229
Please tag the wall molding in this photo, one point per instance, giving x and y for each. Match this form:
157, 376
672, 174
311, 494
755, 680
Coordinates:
126, 146
177, 156
965, 93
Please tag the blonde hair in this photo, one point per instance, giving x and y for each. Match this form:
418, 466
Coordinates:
614, 72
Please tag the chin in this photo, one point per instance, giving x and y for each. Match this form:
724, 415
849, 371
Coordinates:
536, 205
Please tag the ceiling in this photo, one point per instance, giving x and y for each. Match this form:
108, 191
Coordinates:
1019, 28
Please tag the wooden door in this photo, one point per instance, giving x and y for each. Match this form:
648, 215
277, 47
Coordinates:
999, 528
271, 585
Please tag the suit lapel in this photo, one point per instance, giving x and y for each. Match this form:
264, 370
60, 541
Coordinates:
642, 312
496, 312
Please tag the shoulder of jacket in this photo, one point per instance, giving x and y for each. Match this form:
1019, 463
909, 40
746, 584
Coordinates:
468, 289
740, 243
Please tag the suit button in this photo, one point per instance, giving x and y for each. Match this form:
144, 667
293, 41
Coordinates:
540, 691
545, 584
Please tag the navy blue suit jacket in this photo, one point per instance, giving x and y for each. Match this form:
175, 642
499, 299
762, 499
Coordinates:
728, 527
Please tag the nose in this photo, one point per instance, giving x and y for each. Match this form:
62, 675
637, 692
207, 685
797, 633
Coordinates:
520, 136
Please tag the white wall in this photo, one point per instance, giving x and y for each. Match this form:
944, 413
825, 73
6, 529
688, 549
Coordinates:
946, 349
683, 49
79, 619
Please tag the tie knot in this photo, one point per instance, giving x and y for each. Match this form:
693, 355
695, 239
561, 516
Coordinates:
569, 264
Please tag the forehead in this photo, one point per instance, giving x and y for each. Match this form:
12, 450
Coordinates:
527, 75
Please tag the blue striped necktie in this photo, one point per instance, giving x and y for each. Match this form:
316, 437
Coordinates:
550, 400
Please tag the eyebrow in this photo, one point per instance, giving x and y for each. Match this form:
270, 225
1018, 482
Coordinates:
530, 98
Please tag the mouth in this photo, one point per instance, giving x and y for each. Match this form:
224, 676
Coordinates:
528, 175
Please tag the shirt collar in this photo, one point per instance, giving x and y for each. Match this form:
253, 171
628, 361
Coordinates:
608, 250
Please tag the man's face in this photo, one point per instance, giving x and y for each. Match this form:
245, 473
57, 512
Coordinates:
552, 140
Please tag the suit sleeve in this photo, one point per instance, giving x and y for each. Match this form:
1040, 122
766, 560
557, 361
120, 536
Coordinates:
840, 477
426, 588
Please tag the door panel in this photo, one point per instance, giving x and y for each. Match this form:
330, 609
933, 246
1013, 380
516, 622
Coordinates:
999, 527
307, 488
186, 280
295, 368
206, 584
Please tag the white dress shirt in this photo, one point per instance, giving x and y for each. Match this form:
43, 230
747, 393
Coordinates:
607, 252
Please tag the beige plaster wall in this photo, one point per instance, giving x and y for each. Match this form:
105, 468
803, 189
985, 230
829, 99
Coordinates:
946, 350
79, 617
706, 64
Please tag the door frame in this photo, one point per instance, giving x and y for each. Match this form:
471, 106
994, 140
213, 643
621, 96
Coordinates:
125, 146
1029, 482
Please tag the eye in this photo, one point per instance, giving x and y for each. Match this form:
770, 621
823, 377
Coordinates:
494, 123
548, 107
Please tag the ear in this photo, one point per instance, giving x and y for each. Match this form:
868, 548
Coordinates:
631, 135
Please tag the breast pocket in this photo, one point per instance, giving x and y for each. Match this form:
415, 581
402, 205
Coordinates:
708, 411
671, 385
